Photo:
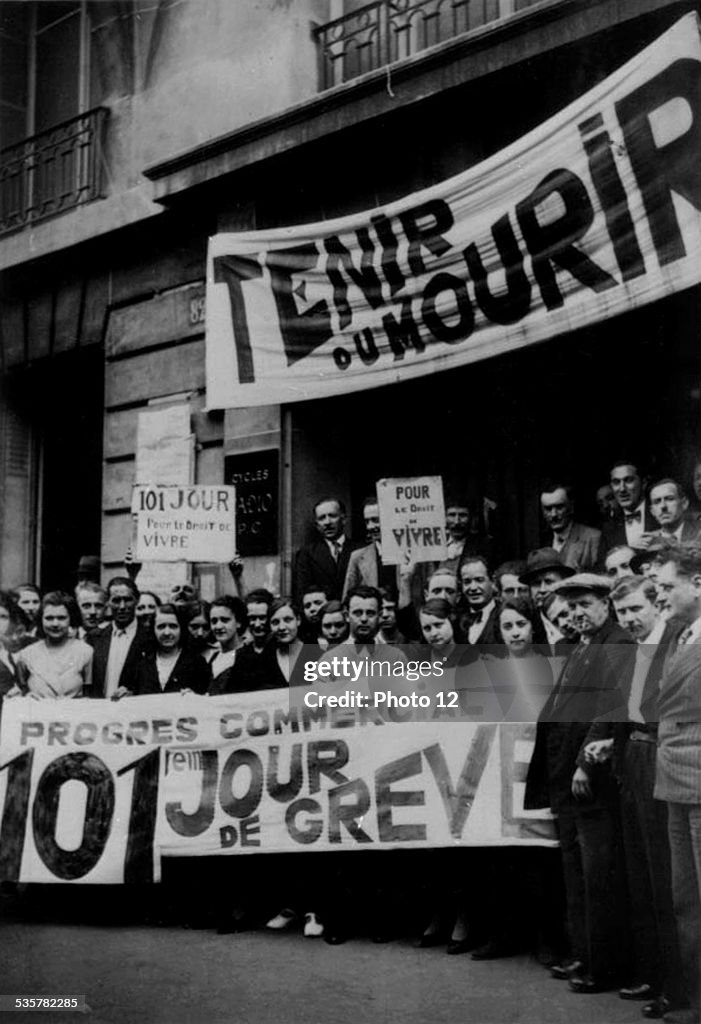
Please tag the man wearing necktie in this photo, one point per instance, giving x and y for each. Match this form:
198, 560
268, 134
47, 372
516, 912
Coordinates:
119, 648
678, 780
669, 506
324, 561
576, 544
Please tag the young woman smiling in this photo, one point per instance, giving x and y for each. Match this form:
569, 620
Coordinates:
57, 665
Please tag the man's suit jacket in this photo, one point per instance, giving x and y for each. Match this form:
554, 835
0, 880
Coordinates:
581, 549
621, 729
363, 569
587, 689
614, 532
315, 565
488, 636
691, 529
190, 672
679, 736
100, 641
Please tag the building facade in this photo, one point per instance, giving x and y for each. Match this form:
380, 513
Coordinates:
130, 132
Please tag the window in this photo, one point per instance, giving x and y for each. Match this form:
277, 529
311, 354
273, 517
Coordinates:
44, 63
60, 61
14, 80
50, 142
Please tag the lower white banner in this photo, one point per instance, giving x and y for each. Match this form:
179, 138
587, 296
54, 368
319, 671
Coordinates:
95, 791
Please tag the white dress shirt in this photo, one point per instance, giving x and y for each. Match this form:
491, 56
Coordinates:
560, 539
336, 546
119, 648
475, 629
635, 528
552, 633
643, 659
454, 549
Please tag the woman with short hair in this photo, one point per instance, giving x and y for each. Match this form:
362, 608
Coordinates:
57, 665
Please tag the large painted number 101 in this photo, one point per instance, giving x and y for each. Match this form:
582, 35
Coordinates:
97, 824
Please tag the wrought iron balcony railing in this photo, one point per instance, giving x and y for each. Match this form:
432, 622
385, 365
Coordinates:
53, 171
390, 30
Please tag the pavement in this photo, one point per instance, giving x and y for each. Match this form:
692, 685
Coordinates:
132, 973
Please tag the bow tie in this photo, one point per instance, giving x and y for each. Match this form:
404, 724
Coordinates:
634, 517
474, 617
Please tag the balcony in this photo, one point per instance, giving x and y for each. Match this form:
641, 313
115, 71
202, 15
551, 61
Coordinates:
53, 171
381, 33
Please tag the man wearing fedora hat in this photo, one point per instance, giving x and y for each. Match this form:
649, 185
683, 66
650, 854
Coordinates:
544, 570
88, 569
585, 799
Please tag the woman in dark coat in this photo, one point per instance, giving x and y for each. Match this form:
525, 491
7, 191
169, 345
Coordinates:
169, 666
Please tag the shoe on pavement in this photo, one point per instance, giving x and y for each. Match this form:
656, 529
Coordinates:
313, 929
563, 971
586, 984
661, 1006
642, 992
282, 921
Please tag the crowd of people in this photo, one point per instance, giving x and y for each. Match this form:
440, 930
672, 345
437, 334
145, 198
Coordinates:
596, 636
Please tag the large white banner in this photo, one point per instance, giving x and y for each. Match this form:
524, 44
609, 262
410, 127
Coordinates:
594, 212
98, 791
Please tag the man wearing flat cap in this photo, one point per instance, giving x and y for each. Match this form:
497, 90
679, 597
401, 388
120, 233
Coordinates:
584, 798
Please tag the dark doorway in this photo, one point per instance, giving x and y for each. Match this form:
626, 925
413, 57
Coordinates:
63, 398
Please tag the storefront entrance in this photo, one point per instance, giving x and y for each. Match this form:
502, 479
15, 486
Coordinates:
500, 428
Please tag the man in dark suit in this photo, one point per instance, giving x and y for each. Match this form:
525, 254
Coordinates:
324, 561
633, 522
119, 649
669, 506
585, 800
633, 742
577, 545
678, 779
478, 610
